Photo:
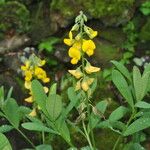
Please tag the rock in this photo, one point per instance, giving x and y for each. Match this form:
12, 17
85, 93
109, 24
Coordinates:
13, 43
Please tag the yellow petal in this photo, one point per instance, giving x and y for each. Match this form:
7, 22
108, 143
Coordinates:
41, 63
74, 61
29, 99
84, 85
46, 80
28, 75
46, 89
70, 35
33, 113
76, 73
90, 52
74, 53
27, 85
90, 81
68, 42
92, 33
78, 86
91, 69
23, 68
88, 47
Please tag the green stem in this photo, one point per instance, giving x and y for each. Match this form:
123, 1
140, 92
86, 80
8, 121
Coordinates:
91, 130
120, 136
87, 135
25, 137
43, 137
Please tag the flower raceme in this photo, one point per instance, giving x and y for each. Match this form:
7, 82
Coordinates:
32, 68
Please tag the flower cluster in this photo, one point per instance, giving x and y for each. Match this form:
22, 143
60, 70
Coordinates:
80, 45
84, 79
32, 69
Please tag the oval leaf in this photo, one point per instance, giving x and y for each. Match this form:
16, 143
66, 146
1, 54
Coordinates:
54, 106
5, 128
122, 69
142, 104
118, 113
4, 143
39, 95
33, 126
122, 86
138, 125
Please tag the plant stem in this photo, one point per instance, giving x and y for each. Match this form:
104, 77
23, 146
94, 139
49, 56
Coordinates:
91, 130
27, 139
87, 135
130, 119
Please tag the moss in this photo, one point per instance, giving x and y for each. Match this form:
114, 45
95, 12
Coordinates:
145, 31
105, 52
114, 10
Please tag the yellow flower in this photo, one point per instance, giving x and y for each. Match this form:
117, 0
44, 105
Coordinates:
29, 99
91, 69
26, 67
27, 85
28, 75
76, 73
75, 54
33, 113
88, 47
92, 33
69, 41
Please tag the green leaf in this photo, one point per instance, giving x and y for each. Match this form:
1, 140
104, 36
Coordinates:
142, 104
118, 113
73, 101
138, 125
122, 86
24, 110
53, 89
9, 93
5, 128
102, 105
122, 69
34, 126
137, 81
63, 130
140, 83
4, 143
11, 111
133, 146
54, 106
145, 82
97, 115
44, 147
39, 95
1, 96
